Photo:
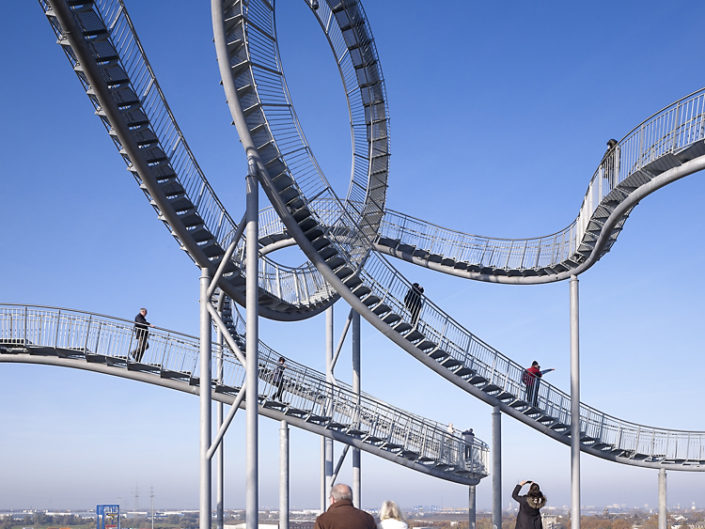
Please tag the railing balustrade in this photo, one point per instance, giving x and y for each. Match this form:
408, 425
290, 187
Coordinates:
91, 336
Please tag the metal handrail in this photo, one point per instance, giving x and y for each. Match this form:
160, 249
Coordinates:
275, 278
282, 133
306, 390
386, 287
668, 131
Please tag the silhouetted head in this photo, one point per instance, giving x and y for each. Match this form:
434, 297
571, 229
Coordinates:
535, 490
535, 364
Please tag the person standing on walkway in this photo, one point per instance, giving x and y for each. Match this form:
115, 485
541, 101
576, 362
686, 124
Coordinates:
278, 379
532, 378
141, 333
413, 303
341, 514
530, 505
390, 517
469, 438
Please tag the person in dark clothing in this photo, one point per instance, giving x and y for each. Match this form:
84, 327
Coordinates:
609, 163
529, 516
532, 378
469, 438
278, 378
413, 303
141, 333
342, 514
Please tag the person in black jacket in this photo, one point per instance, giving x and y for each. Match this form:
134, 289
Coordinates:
141, 333
278, 378
413, 303
529, 516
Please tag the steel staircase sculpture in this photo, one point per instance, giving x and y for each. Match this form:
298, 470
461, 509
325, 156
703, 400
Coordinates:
338, 236
103, 49
69, 338
665, 147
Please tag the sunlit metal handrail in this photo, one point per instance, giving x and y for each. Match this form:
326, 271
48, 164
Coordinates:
307, 393
668, 131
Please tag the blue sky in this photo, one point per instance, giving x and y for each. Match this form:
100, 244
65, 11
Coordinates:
500, 115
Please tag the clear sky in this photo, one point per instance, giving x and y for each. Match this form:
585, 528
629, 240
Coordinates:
500, 114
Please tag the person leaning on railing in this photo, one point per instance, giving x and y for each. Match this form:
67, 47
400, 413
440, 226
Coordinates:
141, 333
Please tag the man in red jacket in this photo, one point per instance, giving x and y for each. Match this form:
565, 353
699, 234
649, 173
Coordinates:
341, 514
532, 379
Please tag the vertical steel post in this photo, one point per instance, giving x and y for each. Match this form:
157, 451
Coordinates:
496, 468
220, 459
574, 405
328, 443
662, 513
472, 502
251, 351
357, 483
323, 474
205, 399
284, 475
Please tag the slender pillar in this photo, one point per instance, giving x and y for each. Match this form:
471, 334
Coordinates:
357, 484
662, 513
574, 406
324, 496
328, 443
496, 468
284, 475
251, 353
205, 399
220, 460
472, 502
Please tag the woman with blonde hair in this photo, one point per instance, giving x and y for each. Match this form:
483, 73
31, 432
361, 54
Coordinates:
390, 517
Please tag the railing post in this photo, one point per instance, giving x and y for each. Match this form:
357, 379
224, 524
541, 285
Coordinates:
88, 332
615, 171
58, 324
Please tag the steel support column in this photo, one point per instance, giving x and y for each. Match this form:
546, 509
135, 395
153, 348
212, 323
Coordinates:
496, 468
357, 483
205, 401
327, 442
251, 351
220, 460
662, 513
284, 475
472, 510
574, 405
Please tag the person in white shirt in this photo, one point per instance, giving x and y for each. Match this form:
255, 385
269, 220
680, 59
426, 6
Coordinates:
390, 517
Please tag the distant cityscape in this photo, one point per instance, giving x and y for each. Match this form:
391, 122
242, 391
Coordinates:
419, 517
